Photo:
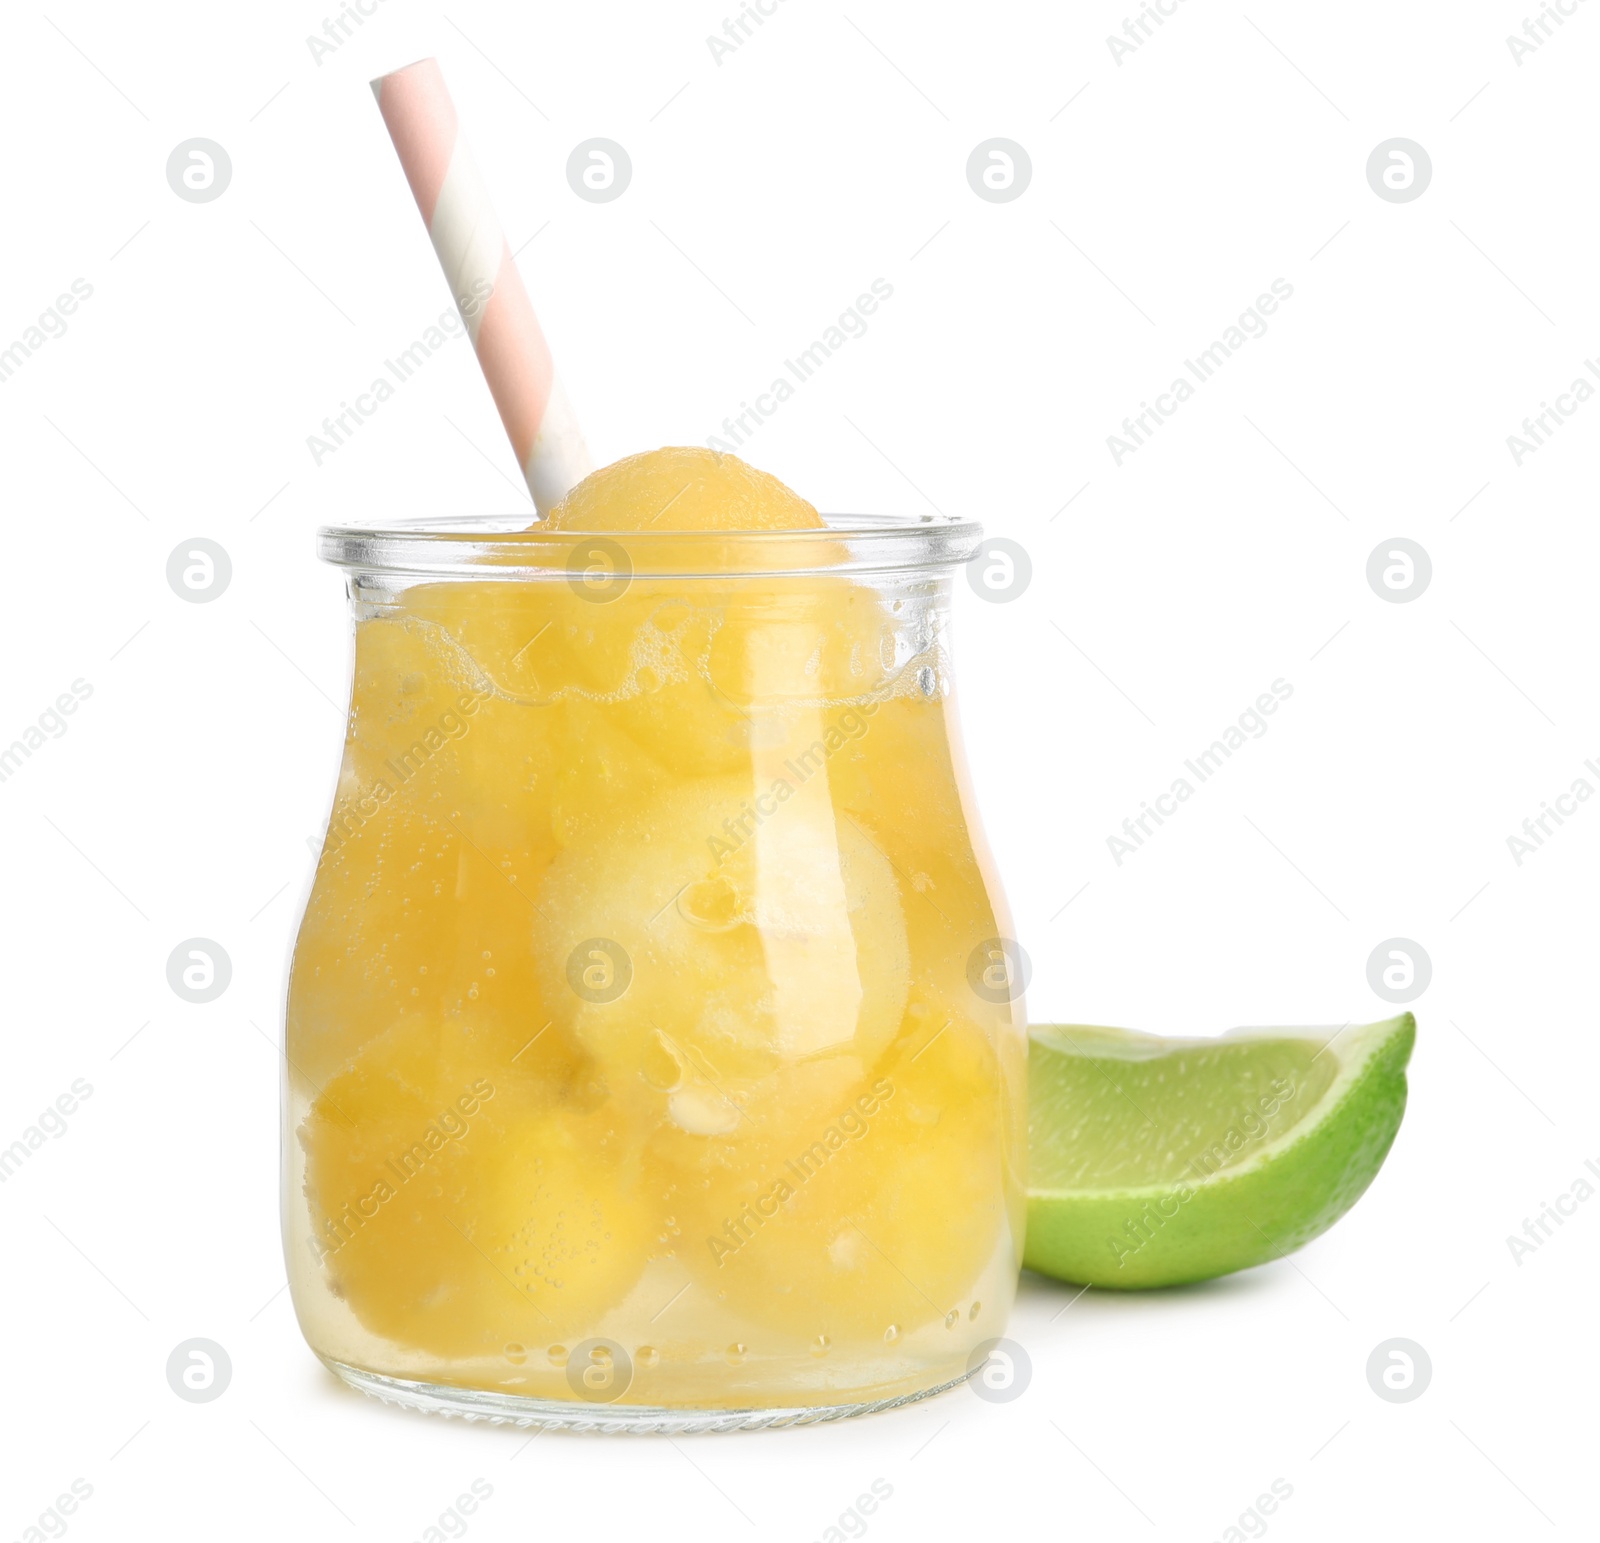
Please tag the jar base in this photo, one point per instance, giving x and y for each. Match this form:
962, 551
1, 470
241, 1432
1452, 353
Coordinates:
623, 1419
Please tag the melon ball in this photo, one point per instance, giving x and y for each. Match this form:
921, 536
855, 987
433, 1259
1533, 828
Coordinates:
714, 933
879, 1212
681, 488
457, 1207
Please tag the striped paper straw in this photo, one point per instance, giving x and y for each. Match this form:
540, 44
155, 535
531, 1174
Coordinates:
488, 290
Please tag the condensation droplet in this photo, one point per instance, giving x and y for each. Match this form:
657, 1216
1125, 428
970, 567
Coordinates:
516, 1354
977, 1307
736, 1354
891, 1334
557, 1355
821, 1345
952, 1318
646, 1356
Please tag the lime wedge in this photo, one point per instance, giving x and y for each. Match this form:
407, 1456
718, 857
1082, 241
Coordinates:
1156, 1161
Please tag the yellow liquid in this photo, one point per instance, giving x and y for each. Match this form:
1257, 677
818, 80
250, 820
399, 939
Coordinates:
634, 1001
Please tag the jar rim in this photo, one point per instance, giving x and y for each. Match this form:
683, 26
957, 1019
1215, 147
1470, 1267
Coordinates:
504, 547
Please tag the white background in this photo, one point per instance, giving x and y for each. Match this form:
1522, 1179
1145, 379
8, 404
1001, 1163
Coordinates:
768, 190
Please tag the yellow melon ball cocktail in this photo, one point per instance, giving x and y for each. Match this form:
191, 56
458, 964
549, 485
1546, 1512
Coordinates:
645, 1051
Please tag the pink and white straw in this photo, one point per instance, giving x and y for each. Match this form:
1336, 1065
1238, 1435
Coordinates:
488, 290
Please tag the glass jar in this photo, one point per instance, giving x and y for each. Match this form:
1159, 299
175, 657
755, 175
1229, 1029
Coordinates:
653, 1053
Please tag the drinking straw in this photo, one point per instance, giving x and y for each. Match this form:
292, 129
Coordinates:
488, 290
